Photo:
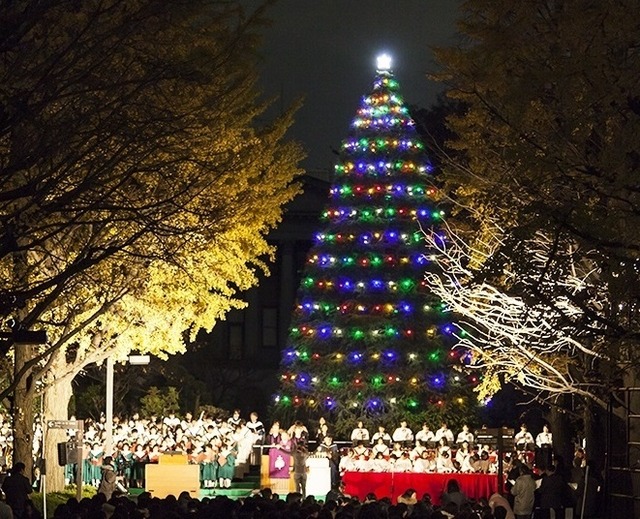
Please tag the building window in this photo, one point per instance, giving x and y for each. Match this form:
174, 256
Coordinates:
270, 327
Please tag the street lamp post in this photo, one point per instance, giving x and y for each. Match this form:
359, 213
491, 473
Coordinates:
108, 426
134, 360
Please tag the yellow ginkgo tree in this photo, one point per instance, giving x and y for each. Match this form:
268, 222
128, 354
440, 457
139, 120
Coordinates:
140, 174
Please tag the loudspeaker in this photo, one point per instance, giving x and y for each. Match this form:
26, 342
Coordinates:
67, 454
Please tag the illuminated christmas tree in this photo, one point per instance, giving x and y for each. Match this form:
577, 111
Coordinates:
368, 339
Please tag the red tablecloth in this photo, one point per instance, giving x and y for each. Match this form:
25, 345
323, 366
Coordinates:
394, 484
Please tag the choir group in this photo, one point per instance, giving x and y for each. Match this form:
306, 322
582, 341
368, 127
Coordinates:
403, 451
224, 448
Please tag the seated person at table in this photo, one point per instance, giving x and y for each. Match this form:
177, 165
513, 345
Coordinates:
360, 463
523, 439
417, 450
444, 463
360, 434
403, 463
425, 435
360, 449
397, 450
474, 462
403, 434
486, 467
465, 436
443, 447
347, 462
463, 456
380, 447
426, 462
381, 434
380, 463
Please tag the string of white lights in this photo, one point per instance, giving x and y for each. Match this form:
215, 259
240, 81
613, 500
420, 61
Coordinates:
508, 336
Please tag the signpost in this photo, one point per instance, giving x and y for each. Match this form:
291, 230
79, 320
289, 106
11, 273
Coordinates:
62, 424
502, 438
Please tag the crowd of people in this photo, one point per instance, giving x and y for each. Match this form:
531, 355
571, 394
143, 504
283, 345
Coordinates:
225, 447
268, 505
453, 504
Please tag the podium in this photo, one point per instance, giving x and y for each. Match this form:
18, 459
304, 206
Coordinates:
279, 486
172, 475
319, 476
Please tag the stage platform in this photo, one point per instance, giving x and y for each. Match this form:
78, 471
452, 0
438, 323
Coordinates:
394, 484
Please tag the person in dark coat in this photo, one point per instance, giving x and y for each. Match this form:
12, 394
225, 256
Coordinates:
5, 511
589, 489
300, 455
552, 492
108, 481
17, 488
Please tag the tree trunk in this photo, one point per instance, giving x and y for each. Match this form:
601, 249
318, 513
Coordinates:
196, 405
562, 433
23, 410
632, 380
594, 432
56, 404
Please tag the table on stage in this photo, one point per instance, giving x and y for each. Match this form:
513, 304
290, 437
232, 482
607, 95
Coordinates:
393, 484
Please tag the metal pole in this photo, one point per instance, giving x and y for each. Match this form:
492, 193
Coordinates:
108, 426
584, 494
43, 489
43, 469
79, 460
500, 447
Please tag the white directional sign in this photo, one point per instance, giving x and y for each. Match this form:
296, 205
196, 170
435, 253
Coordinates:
62, 424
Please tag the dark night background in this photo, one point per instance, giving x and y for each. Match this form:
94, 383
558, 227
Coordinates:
326, 52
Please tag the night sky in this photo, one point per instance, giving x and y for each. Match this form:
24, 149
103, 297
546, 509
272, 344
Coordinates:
325, 50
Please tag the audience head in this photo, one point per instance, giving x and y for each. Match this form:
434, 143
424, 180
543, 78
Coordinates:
266, 493
18, 468
453, 486
409, 497
524, 470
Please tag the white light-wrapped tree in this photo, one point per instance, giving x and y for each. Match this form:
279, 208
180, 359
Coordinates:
540, 334
546, 147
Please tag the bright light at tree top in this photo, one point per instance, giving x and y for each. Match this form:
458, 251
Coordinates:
383, 62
